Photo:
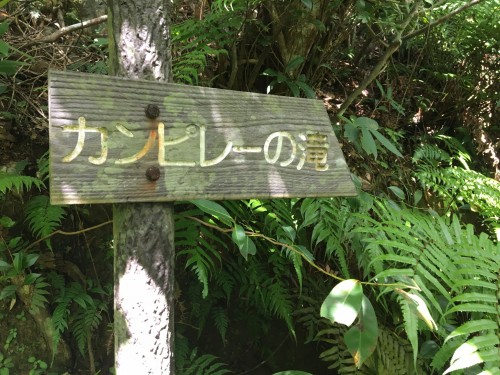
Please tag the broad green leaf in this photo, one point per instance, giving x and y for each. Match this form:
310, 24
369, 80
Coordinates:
6, 222
245, 244
292, 372
310, 93
366, 123
418, 305
397, 192
18, 262
343, 303
361, 339
31, 278
4, 48
270, 72
368, 143
351, 132
213, 209
386, 143
294, 63
9, 67
31, 259
294, 89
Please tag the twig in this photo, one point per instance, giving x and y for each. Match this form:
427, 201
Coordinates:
440, 20
66, 30
290, 247
382, 63
68, 233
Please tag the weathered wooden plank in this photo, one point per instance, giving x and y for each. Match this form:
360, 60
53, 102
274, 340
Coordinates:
206, 143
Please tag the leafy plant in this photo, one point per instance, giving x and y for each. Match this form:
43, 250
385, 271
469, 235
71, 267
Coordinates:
7, 67
387, 97
362, 132
87, 311
194, 363
296, 85
5, 364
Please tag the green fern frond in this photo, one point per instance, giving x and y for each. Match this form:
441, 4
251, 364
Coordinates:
394, 355
38, 293
453, 267
18, 183
59, 320
42, 217
221, 321
201, 264
84, 323
43, 167
431, 154
205, 364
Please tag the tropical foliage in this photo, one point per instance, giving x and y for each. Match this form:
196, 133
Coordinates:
403, 278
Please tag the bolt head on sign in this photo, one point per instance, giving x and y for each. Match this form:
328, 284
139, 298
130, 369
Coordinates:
120, 140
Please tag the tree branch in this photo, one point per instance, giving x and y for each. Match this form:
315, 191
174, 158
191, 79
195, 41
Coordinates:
393, 47
66, 30
440, 20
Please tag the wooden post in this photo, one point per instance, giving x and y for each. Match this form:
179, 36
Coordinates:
143, 232
115, 140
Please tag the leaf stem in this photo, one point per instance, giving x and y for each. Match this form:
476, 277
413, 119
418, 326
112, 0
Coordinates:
290, 247
68, 233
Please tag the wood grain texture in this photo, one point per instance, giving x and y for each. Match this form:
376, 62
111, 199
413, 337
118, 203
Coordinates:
143, 232
240, 123
144, 288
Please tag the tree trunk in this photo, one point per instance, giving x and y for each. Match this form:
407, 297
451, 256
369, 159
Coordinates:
143, 232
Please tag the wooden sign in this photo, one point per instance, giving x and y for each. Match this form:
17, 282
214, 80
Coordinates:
119, 140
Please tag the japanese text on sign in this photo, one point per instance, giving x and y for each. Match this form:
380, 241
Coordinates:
308, 147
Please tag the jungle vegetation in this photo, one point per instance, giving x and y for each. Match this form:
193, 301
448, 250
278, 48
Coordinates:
404, 278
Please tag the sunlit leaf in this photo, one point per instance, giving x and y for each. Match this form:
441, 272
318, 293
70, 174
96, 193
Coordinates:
397, 192
386, 143
343, 303
294, 63
245, 243
361, 339
213, 209
366, 123
368, 143
418, 305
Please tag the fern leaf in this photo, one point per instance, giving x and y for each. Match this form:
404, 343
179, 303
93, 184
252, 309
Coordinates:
473, 327
411, 327
18, 183
221, 322
42, 217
